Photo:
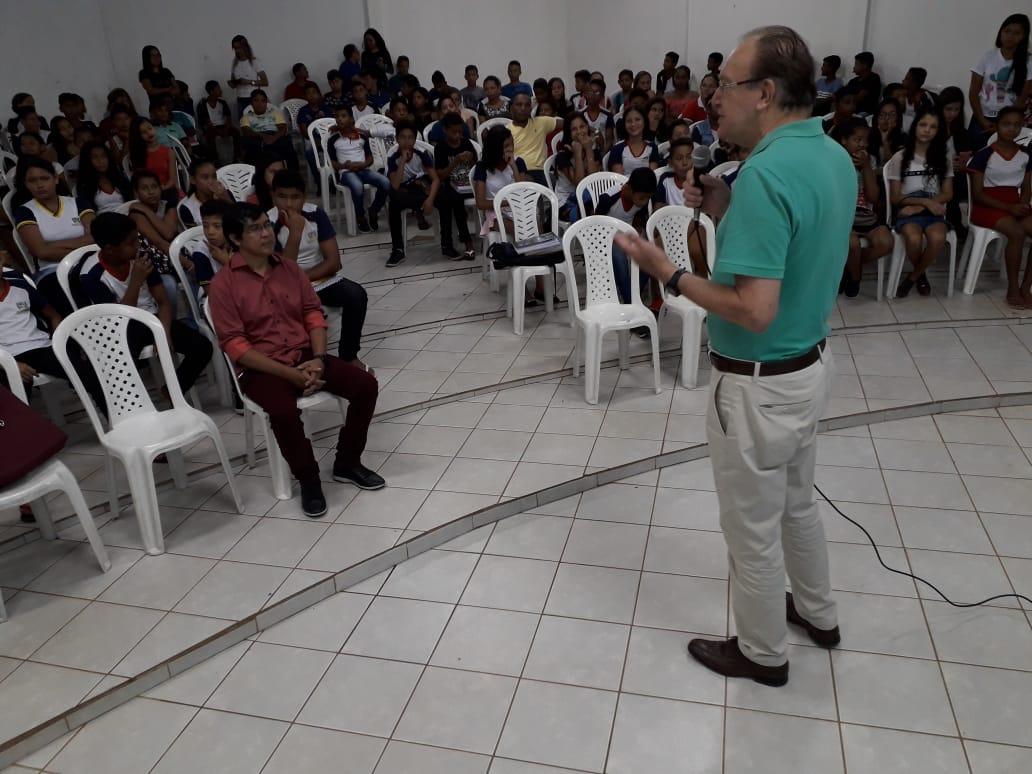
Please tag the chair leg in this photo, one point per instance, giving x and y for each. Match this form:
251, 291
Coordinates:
44, 520
952, 247
71, 489
691, 340
517, 288
109, 466
979, 246
655, 356
220, 447
140, 472
177, 467
592, 364
277, 465
899, 254
249, 437
549, 293
623, 339
881, 279
578, 348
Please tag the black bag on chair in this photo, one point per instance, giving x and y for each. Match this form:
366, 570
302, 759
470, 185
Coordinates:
504, 255
27, 439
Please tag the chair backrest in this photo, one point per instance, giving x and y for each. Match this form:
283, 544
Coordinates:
596, 184
238, 180
671, 224
723, 169
594, 234
292, 107
182, 114
100, 331
69, 265
1023, 136
605, 160
321, 128
476, 210
420, 145
9, 367
664, 149
251, 405
888, 194
714, 147
660, 171
691, 127
9, 212
557, 141
522, 200
182, 162
374, 119
183, 241
425, 134
489, 124
549, 171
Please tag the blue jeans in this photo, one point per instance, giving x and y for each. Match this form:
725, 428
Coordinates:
355, 181
622, 273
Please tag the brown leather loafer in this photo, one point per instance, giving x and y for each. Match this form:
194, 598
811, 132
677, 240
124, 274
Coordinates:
724, 657
826, 638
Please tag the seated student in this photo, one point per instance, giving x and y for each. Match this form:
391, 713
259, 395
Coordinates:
335, 97
469, 116
546, 109
581, 82
211, 253
886, 135
896, 91
494, 104
414, 186
49, 223
31, 121
681, 97
182, 102
578, 157
264, 127
101, 185
312, 110
670, 190
713, 63
204, 186
472, 93
950, 102
643, 83
401, 69
352, 160
118, 139
921, 183
398, 110
827, 84
439, 86
27, 321
656, 128
214, 118
420, 108
853, 134
540, 87
1001, 186
599, 119
74, 109
374, 94
557, 91
844, 109
914, 95
300, 83
454, 157
867, 83
409, 84
351, 67
679, 128
360, 105
265, 169
117, 98
154, 219
665, 77
634, 151
626, 81
528, 136
698, 110
161, 118
304, 234
282, 354
31, 144
628, 202
62, 139
19, 102
122, 273
498, 167
147, 153
447, 106
705, 132
515, 85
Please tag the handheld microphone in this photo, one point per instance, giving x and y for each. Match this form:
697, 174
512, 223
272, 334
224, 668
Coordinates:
701, 158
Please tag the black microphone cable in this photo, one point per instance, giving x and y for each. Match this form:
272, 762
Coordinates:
906, 574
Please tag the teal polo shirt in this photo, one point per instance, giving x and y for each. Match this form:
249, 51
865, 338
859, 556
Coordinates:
791, 212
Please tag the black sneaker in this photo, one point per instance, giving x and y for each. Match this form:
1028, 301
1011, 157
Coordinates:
374, 221
905, 286
313, 502
924, 287
359, 475
449, 251
397, 256
363, 226
851, 287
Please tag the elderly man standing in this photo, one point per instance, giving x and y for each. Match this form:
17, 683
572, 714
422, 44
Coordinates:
781, 246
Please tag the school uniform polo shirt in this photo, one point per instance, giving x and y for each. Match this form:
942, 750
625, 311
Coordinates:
317, 229
790, 216
53, 226
105, 286
354, 148
20, 303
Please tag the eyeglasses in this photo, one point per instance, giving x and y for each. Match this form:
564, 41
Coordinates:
725, 85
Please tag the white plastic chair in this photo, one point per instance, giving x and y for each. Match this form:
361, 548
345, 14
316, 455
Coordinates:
722, 169
660, 171
67, 265
976, 246
603, 312
278, 470
490, 124
550, 173
519, 203
330, 182
30, 262
1023, 136
899, 249
52, 475
292, 107
318, 133
425, 134
596, 184
238, 180
671, 224
664, 149
138, 431
557, 142
182, 163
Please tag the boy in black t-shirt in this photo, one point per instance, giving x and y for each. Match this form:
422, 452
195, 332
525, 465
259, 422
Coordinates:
454, 156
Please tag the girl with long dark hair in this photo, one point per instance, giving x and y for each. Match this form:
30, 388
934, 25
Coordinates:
375, 56
101, 185
998, 78
246, 73
155, 78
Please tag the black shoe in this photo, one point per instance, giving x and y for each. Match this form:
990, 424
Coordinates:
826, 638
924, 287
359, 475
397, 256
724, 657
449, 251
374, 221
851, 287
313, 502
905, 286
363, 226
642, 332
422, 223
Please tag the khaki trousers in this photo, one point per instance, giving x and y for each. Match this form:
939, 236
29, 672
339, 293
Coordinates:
762, 434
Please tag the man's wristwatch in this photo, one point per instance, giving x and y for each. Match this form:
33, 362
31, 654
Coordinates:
671, 284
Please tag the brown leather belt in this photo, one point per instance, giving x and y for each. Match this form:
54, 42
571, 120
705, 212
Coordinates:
770, 367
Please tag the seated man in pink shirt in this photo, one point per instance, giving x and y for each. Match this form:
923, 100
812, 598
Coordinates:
270, 322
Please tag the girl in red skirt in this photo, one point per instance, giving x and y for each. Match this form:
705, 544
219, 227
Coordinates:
1000, 191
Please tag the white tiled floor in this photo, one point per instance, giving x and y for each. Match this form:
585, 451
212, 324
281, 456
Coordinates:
555, 641
949, 494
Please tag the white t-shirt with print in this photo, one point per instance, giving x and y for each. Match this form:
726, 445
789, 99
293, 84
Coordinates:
246, 70
917, 176
997, 81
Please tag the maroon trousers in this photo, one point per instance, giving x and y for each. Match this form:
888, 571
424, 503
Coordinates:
279, 400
